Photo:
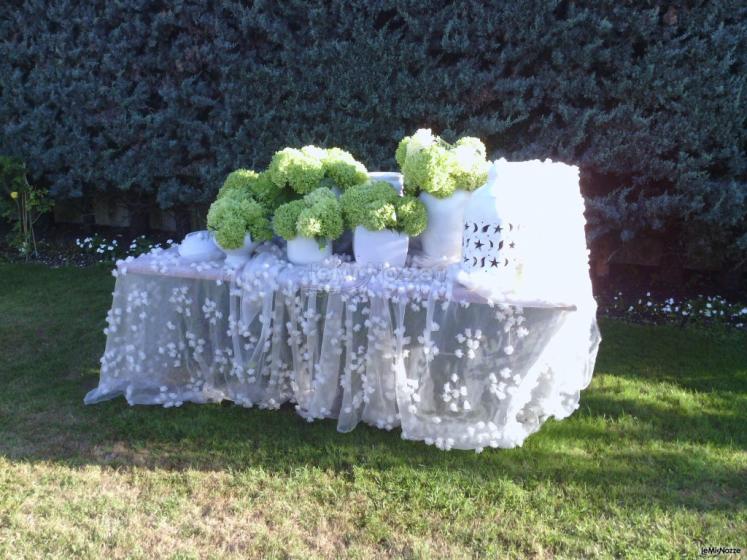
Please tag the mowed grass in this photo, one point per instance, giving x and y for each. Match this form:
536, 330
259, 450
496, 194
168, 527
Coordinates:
652, 465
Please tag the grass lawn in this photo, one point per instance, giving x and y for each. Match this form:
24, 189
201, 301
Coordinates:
653, 464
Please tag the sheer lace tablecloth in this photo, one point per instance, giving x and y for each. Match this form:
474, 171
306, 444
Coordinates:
403, 347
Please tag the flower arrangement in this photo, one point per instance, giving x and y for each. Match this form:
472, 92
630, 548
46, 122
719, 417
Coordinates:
238, 182
232, 217
243, 183
431, 165
376, 206
296, 169
342, 170
316, 216
309, 168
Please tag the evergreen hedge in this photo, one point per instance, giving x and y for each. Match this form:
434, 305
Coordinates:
160, 100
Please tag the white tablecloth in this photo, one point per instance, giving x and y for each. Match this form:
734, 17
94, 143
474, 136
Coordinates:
391, 347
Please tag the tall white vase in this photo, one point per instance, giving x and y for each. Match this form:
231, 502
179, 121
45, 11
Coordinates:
380, 247
302, 250
493, 245
397, 180
237, 257
442, 239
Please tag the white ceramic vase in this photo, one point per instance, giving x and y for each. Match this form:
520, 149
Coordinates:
380, 247
442, 238
303, 250
199, 246
492, 244
237, 257
397, 180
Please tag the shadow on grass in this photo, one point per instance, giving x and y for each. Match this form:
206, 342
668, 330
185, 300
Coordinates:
618, 448
693, 360
577, 453
670, 423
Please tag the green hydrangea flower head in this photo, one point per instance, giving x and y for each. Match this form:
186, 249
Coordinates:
238, 182
473, 142
321, 221
319, 195
356, 199
285, 218
299, 170
412, 217
309, 224
343, 169
375, 205
258, 222
317, 215
431, 165
471, 171
431, 170
330, 214
423, 138
401, 153
232, 217
231, 233
264, 191
380, 215
315, 152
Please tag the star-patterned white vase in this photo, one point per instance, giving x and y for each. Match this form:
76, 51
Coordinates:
492, 234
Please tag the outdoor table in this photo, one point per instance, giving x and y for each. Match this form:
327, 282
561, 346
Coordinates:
392, 347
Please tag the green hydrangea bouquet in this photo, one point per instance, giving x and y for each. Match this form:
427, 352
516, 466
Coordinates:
376, 206
230, 218
245, 183
315, 216
309, 168
431, 165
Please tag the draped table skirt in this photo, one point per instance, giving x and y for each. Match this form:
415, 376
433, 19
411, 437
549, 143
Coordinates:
392, 347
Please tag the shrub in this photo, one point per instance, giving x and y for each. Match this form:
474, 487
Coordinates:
21, 204
376, 206
317, 216
161, 103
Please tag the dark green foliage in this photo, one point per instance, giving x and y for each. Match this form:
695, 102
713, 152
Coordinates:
165, 99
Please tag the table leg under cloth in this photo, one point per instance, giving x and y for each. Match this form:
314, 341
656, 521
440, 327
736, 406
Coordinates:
389, 347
